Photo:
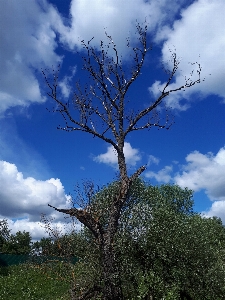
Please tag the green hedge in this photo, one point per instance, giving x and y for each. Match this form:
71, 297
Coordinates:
12, 259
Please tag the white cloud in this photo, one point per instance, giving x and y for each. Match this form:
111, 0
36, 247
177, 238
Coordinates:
204, 171
91, 18
28, 197
37, 229
201, 172
65, 84
28, 43
34, 228
132, 156
217, 209
152, 160
162, 175
29, 33
65, 87
196, 33
25, 199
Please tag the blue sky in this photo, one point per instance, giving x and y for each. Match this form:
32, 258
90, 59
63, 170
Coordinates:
40, 164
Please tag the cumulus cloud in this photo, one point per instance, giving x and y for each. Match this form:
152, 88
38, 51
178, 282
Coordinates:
201, 172
163, 175
30, 32
28, 43
196, 33
25, 199
132, 156
217, 209
34, 228
204, 171
27, 196
91, 19
37, 229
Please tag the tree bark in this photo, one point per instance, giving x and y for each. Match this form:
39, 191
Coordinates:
112, 285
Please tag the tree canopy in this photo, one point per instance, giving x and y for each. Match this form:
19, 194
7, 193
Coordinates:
20, 243
164, 248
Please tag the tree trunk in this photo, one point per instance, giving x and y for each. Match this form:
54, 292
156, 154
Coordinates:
112, 289
185, 296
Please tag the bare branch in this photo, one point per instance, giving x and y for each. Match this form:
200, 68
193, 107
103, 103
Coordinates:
84, 217
137, 173
138, 62
188, 83
63, 108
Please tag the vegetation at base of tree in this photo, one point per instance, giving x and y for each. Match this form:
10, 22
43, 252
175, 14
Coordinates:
164, 249
29, 283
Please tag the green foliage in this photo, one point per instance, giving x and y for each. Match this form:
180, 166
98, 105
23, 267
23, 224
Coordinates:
185, 252
4, 233
79, 245
46, 244
20, 243
29, 283
163, 248
170, 249
87, 271
74, 244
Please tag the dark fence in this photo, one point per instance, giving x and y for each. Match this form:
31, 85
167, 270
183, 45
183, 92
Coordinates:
12, 259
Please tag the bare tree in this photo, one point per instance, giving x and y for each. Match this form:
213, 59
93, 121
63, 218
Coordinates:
104, 99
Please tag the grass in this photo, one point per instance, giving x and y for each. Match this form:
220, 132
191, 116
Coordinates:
28, 282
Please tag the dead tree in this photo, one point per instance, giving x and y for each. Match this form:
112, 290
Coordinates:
104, 99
